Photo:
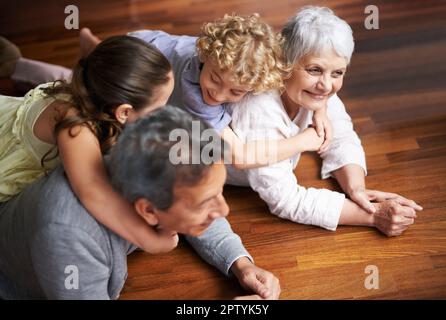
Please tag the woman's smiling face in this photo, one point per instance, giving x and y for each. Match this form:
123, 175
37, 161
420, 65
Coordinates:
315, 78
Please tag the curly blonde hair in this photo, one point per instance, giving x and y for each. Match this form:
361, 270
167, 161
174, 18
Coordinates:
248, 47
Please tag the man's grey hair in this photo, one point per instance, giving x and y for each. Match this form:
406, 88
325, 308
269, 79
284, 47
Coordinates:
313, 30
139, 162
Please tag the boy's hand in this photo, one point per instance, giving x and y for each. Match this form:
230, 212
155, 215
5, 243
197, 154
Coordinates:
323, 128
311, 140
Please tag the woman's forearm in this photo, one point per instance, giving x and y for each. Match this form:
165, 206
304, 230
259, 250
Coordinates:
350, 177
354, 215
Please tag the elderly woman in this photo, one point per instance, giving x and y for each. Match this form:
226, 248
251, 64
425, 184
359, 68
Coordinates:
319, 45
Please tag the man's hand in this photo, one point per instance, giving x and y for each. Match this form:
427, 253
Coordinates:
255, 279
393, 218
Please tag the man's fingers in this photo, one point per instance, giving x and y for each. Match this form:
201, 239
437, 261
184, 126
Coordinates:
276, 289
263, 284
255, 282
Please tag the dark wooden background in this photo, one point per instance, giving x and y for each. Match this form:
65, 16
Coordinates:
395, 93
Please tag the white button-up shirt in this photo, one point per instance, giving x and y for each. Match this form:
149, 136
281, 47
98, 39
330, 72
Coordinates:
263, 117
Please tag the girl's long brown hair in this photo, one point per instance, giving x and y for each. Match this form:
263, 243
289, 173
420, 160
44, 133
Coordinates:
120, 70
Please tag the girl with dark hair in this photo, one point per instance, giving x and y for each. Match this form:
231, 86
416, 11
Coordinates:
76, 123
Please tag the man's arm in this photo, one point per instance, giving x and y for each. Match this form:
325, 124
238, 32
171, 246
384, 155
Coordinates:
222, 248
69, 264
219, 246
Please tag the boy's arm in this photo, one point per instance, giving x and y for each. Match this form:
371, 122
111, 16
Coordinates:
260, 153
323, 127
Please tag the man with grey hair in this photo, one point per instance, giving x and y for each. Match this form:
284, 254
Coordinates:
52, 248
319, 45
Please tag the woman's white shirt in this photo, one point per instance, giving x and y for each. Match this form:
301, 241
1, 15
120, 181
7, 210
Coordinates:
263, 117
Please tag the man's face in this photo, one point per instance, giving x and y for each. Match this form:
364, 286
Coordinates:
218, 87
196, 207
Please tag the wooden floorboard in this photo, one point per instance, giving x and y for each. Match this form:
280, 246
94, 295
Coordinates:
395, 93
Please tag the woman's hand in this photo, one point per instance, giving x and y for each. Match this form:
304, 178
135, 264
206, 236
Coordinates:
393, 218
363, 198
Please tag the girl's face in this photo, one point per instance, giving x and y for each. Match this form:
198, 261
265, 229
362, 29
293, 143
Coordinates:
162, 94
314, 79
217, 86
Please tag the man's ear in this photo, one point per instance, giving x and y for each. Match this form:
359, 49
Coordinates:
147, 211
122, 112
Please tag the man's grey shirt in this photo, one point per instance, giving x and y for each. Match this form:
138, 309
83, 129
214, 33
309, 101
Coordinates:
47, 239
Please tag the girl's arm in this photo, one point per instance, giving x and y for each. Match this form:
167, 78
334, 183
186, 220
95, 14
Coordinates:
83, 163
259, 153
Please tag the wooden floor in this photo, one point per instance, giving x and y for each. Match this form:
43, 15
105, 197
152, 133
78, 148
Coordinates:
395, 92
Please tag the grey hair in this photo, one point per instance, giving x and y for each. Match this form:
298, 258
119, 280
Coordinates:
315, 29
139, 162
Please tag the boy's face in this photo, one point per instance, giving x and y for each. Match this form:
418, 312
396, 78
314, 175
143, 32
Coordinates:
217, 86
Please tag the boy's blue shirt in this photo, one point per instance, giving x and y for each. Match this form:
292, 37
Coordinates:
181, 53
